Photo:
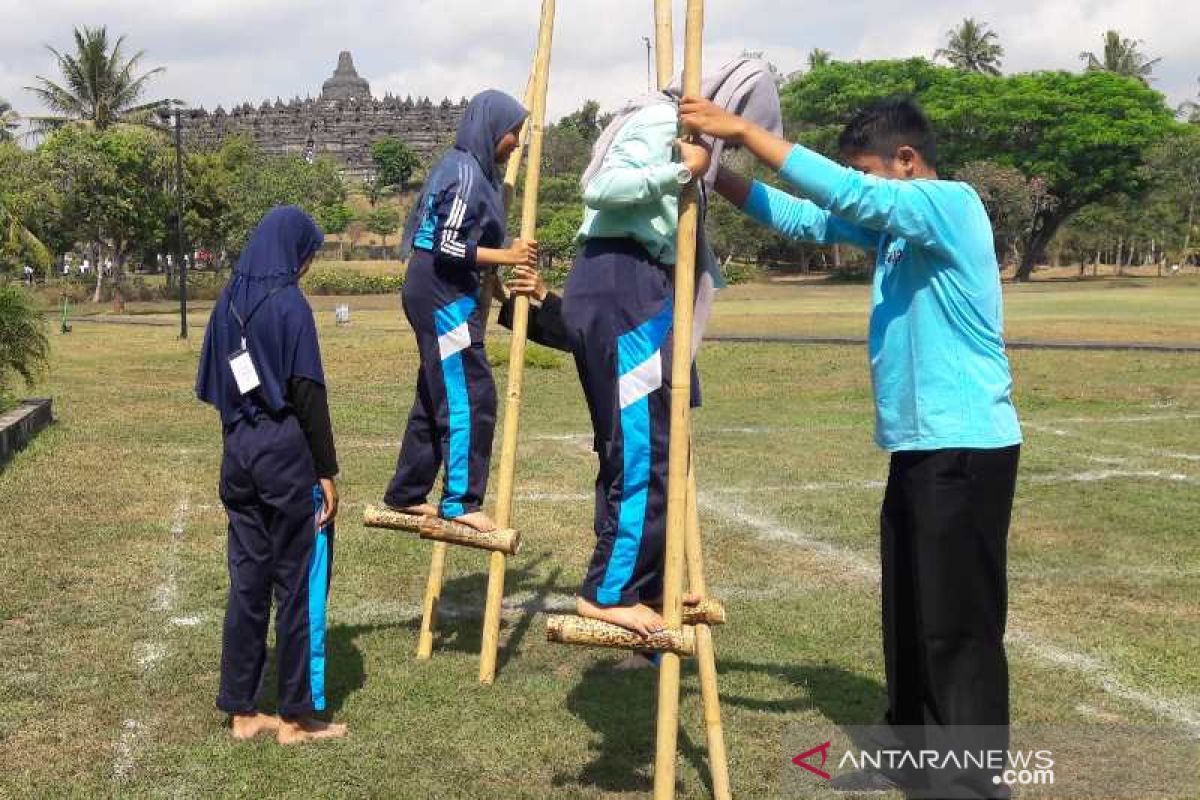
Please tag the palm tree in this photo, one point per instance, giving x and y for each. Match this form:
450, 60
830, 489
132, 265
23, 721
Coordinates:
100, 86
972, 47
1122, 56
9, 120
1190, 110
819, 58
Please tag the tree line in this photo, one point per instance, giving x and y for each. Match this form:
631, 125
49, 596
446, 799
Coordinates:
1076, 166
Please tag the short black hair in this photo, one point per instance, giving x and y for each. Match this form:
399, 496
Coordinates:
885, 125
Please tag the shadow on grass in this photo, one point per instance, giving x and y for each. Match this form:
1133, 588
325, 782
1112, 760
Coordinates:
620, 707
459, 625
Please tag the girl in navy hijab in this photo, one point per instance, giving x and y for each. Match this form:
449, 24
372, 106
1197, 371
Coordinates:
261, 368
457, 227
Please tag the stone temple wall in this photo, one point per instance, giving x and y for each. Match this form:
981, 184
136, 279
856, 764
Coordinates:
343, 122
344, 129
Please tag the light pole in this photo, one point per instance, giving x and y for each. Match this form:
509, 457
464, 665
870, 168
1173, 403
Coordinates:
649, 71
164, 114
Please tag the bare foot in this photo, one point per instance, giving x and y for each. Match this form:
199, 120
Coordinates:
247, 726
477, 520
420, 510
641, 619
308, 729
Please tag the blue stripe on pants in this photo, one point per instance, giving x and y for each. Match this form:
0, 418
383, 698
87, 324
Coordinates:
318, 593
458, 459
634, 348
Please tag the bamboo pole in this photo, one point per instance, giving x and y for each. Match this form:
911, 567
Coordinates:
664, 43
718, 760
516, 356
570, 629
433, 595
487, 288
677, 470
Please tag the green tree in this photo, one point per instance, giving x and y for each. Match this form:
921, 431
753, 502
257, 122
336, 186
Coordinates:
972, 47
23, 345
99, 85
113, 187
383, 222
818, 58
27, 210
1121, 56
1086, 136
1012, 202
230, 190
395, 162
1175, 166
9, 121
335, 219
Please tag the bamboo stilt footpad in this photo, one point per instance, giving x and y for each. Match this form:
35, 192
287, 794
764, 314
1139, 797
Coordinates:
567, 629
709, 611
502, 540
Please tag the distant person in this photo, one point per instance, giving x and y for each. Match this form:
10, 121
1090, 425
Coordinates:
28, 271
261, 368
457, 226
943, 406
66, 266
84, 267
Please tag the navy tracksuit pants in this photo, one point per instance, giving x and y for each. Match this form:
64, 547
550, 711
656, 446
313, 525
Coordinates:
454, 415
269, 488
618, 305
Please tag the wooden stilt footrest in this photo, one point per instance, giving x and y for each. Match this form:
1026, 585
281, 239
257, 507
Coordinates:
709, 611
568, 629
505, 540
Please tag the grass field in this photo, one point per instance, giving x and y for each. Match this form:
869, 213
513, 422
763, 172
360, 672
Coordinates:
112, 571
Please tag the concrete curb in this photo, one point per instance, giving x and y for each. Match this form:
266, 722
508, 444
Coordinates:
21, 424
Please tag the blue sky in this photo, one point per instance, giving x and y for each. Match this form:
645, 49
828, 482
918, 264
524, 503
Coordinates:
217, 51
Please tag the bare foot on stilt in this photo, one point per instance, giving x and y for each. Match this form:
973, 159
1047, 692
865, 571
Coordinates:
420, 510
246, 726
477, 520
641, 619
308, 729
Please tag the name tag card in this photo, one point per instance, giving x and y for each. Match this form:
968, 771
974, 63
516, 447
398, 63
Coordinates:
243, 370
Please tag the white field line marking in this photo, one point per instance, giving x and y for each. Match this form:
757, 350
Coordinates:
1100, 674
148, 655
1129, 420
1139, 448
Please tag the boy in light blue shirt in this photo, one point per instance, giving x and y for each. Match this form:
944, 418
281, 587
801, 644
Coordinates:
943, 404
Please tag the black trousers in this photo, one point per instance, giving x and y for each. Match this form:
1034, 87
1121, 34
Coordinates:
269, 488
944, 549
453, 416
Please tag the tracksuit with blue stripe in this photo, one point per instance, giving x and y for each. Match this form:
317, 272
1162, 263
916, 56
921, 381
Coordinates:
454, 414
618, 307
270, 492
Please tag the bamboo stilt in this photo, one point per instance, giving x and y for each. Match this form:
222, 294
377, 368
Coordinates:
433, 595
709, 611
487, 289
664, 43
516, 358
570, 629
504, 540
706, 659
666, 738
